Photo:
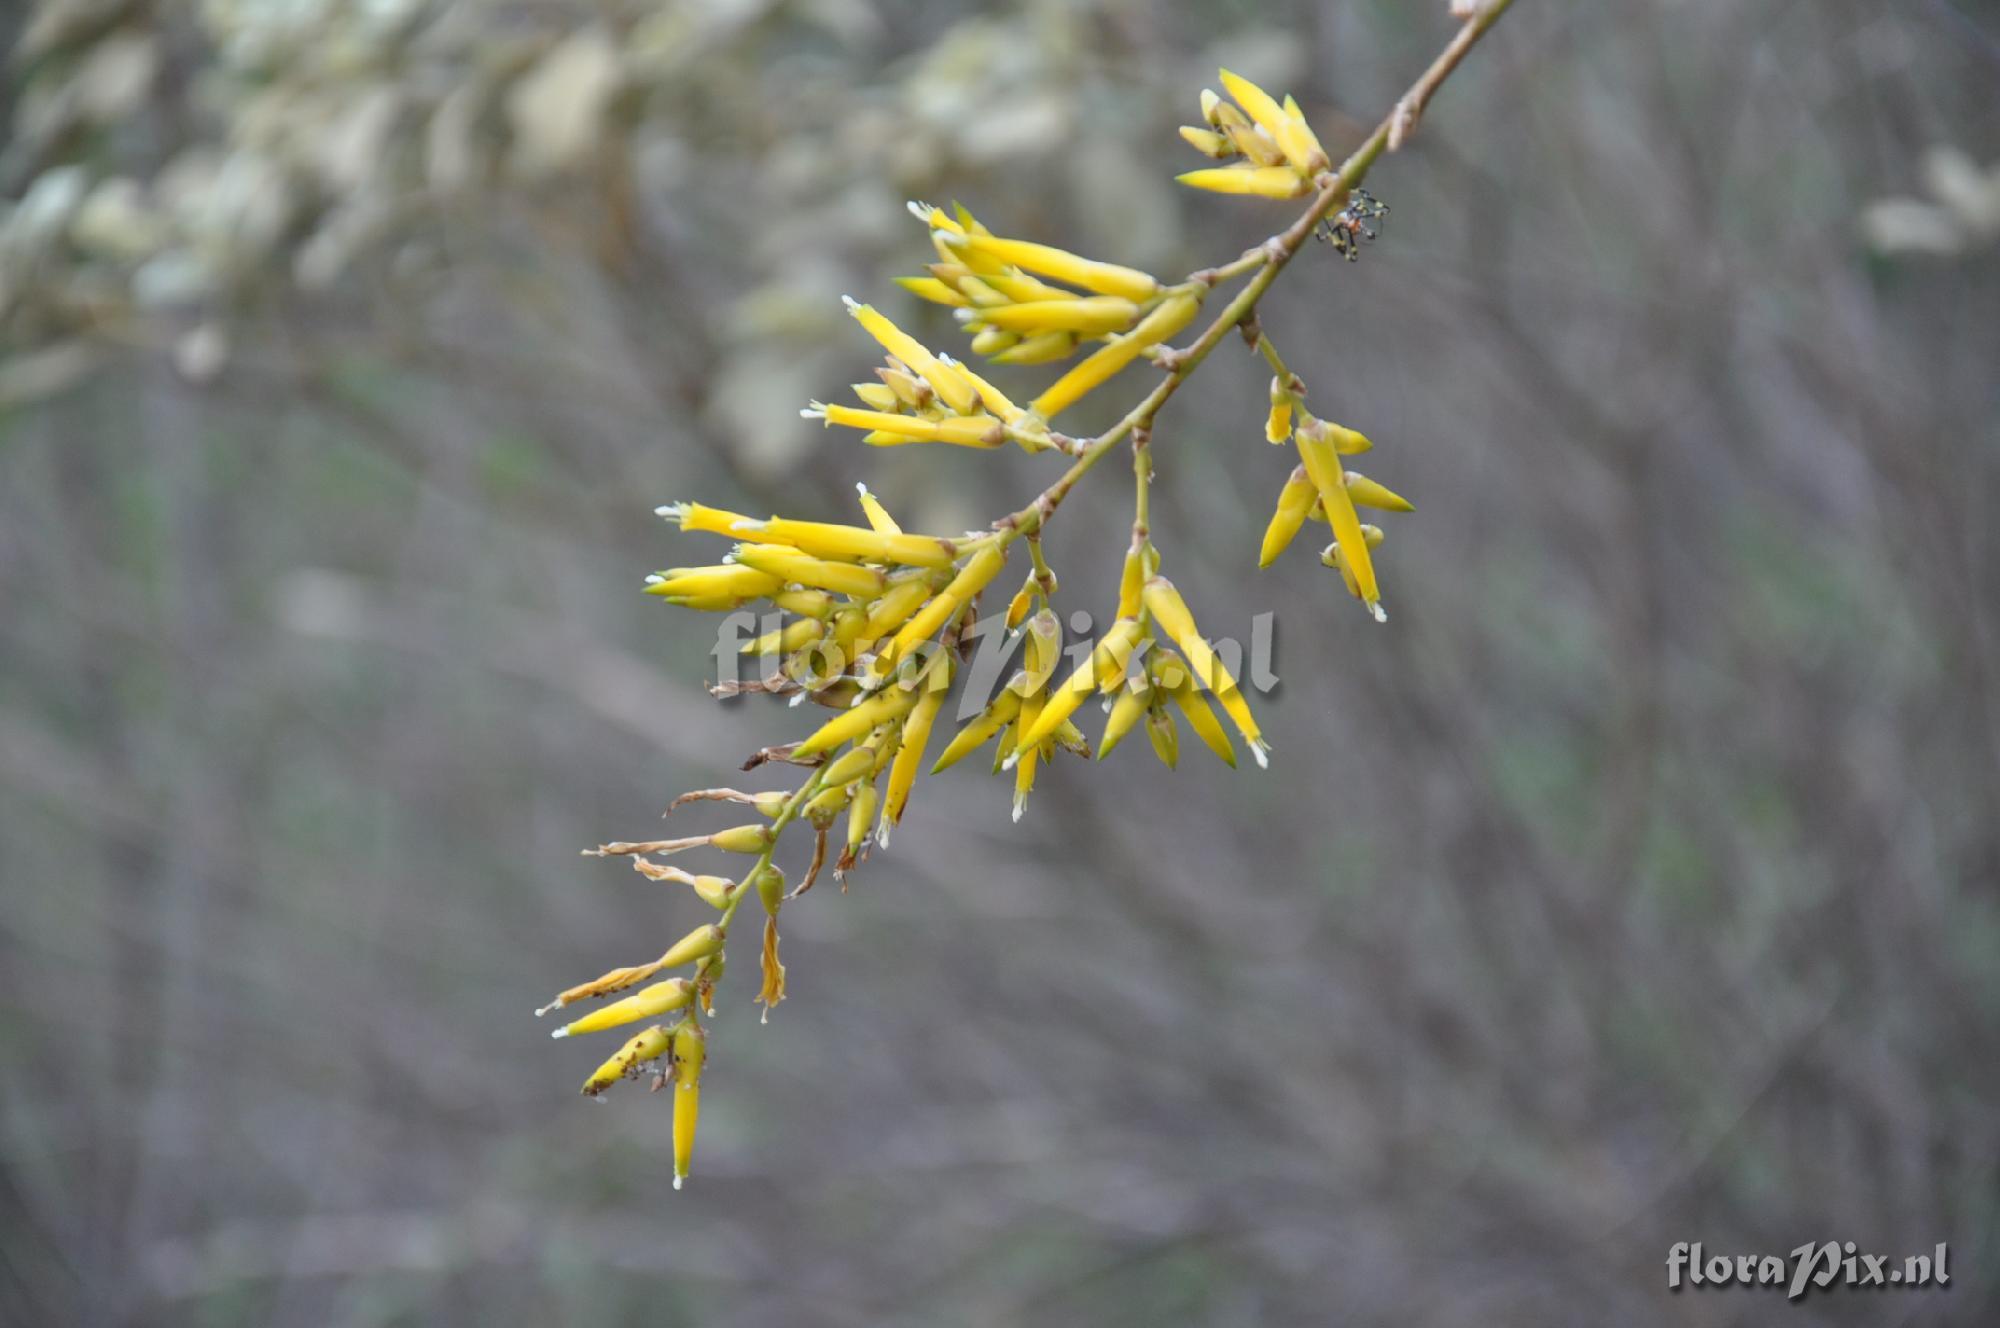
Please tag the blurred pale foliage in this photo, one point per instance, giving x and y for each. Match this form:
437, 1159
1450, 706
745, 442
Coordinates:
1636, 884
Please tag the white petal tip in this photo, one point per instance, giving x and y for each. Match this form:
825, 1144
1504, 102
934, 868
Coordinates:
557, 1032
678, 1180
851, 303
1381, 614
1262, 751
861, 488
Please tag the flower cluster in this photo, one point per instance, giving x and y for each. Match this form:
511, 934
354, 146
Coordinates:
872, 621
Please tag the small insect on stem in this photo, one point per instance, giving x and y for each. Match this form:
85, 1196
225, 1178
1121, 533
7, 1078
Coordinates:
1348, 228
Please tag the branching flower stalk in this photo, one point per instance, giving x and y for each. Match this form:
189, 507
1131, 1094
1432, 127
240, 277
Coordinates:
876, 616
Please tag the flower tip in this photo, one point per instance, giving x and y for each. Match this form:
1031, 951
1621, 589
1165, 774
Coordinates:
814, 410
1262, 751
678, 1178
555, 1004
1375, 607
853, 305
673, 511
557, 1032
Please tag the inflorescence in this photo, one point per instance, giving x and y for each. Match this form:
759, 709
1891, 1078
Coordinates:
874, 618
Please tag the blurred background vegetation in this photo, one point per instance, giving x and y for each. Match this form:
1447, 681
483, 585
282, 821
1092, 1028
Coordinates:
1635, 884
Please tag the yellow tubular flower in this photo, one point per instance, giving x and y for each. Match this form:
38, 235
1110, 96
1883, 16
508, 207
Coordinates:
824, 539
1041, 349
1107, 661
1173, 313
1322, 462
998, 714
827, 804
982, 567
1170, 612
1258, 181
996, 400
910, 754
860, 816
647, 1046
930, 288
650, 1003
952, 390
723, 580
878, 516
1368, 493
1018, 287
1278, 424
1104, 278
1097, 316
690, 1051
1294, 501
962, 430
891, 703
1132, 701
790, 564
696, 516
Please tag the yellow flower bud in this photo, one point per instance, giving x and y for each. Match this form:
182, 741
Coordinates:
1278, 425
889, 704
647, 1046
1301, 149
724, 579
981, 568
1096, 316
861, 815
996, 400
1132, 702
1170, 612
1178, 684
978, 430
1246, 179
992, 340
1368, 493
1043, 348
1105, 278
784, 640
876, 396
1294, 501
998, 714
848, 767
954, 391
1172, 314
910, 752
1024, 599
805, 603
690, 1053
828, 803
825, 539
713, 890
790, 564
743, 839
1207, 142
930, 288
648, 1003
